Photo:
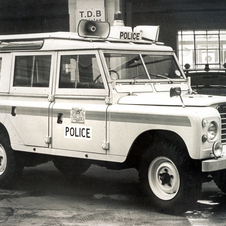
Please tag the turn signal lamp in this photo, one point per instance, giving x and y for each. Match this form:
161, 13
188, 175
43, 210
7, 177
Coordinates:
92, 29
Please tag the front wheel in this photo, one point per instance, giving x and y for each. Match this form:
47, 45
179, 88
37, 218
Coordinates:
164, 178
220, 179
169, 177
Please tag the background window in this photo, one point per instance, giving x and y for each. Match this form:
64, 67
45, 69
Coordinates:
198, 48
32, 71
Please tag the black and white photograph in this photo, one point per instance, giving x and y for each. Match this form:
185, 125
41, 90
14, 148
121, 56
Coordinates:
112, 112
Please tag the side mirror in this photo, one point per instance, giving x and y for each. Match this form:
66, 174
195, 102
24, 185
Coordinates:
175, 91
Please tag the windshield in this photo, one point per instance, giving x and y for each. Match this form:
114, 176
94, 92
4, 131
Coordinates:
124, 66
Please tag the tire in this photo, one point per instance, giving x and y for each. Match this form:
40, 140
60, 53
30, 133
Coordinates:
219, 178
11, 167
170, 178
71, 167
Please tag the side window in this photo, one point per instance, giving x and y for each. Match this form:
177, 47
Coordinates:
32, 71
80, 71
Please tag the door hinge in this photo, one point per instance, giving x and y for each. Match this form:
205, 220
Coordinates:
51, 98
105, 145
48, 140
108, 100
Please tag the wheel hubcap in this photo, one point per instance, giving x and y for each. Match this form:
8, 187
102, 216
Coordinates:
163, 178
166, 178
3, 160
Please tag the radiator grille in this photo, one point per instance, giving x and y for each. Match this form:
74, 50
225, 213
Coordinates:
222, 111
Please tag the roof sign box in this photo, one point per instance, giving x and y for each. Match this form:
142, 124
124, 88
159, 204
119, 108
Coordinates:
124, 33
148, 32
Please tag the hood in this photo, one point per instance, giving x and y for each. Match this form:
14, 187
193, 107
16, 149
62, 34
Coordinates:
164, 99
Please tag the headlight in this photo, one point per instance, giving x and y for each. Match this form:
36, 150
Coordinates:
212, 130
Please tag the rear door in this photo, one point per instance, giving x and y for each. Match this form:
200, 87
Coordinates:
79, 110
28, 100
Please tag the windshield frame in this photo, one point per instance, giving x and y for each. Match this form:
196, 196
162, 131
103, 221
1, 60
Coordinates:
161, 79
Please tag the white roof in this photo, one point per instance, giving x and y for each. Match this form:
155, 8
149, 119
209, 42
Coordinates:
70, 41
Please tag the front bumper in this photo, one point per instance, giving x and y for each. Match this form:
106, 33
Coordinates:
214, 164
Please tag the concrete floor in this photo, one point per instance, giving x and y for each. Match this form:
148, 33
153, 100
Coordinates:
100, 197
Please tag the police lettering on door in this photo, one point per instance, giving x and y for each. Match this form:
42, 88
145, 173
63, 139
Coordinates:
78, 132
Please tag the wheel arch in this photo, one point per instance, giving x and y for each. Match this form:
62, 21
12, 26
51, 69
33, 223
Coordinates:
4, 130
12, 167
146, 138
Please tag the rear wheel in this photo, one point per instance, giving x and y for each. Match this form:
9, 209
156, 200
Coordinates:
71, 167
170, 179
10, 166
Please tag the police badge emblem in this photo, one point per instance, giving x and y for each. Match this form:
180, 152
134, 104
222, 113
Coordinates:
77, 115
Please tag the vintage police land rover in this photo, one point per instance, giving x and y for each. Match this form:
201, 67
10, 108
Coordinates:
119, 101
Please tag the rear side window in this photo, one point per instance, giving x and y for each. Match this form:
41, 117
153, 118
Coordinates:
32, 71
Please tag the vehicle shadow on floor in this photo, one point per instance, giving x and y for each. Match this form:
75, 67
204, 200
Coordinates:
106, 186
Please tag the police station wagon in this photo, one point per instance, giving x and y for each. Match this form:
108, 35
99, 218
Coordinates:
118, 100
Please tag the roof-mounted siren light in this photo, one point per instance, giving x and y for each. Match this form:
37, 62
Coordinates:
93, 29
150, 33
118, 20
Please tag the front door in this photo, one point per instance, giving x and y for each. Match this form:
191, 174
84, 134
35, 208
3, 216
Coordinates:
79, 111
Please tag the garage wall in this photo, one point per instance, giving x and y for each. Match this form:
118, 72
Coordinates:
174, 15
28, 16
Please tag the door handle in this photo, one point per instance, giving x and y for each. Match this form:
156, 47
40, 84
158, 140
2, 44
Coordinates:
13, 111
60, 118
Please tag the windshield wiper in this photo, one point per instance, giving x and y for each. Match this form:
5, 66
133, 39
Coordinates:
136, 77
162, 76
